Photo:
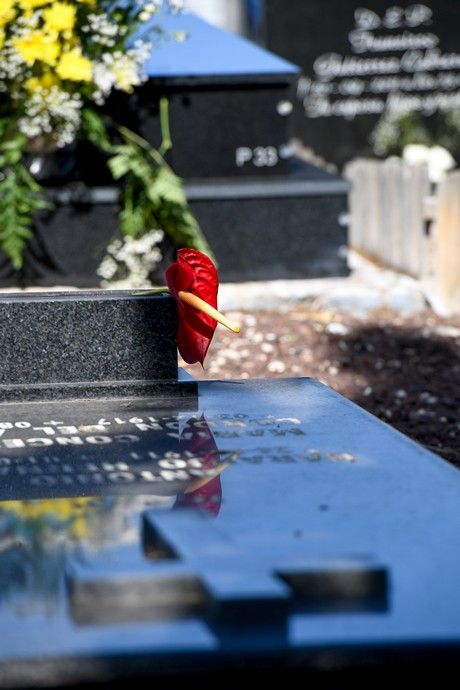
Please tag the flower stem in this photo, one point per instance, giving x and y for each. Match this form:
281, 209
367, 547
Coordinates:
166, 142
206, 308
143, 144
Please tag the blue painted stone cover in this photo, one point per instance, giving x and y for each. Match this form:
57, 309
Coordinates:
210, 51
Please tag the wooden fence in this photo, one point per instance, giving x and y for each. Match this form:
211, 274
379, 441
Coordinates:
398, 219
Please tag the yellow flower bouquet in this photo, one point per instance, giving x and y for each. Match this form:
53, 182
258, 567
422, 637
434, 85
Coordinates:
59, 62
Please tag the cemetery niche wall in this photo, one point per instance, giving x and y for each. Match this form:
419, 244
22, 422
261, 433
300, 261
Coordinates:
362, 61
231, 128
230, 122
229, 102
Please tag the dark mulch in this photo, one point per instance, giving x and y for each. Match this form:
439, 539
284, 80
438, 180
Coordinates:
405, 370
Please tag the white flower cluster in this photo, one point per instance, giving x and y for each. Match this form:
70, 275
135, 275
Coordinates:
141, 51
129, 262
102, 30
120, 70
149, 9
54, 111
24, 24
11, 68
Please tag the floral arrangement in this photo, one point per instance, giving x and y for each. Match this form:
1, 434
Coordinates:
59, 62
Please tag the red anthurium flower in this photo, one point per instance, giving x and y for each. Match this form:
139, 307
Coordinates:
193, 282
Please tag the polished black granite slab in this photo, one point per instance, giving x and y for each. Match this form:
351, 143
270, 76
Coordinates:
276, 525
87, 344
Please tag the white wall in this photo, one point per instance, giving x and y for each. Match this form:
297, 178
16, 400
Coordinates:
228, 14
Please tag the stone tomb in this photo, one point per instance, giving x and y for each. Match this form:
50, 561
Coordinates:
270, 520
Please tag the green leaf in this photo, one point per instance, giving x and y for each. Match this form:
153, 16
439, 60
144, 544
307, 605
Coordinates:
131, 217
20, 197
132, 222
119, 165
13, 156
169, 186
95, 129
11, 145
153, 195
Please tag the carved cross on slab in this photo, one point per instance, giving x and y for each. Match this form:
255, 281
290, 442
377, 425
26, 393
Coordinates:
188, 567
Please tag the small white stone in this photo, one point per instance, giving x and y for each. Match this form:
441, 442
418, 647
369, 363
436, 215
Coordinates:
447, 331
336, 328
276, 367
428, 398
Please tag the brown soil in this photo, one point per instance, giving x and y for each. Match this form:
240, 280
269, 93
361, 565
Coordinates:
404, 370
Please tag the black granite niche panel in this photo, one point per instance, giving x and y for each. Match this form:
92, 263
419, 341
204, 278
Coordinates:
362, 61
112, 342
241, 145
285, 227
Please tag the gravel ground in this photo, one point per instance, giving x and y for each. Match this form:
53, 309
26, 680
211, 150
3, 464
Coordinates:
405, 370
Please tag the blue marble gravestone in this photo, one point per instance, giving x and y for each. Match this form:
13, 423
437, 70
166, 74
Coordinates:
275, 526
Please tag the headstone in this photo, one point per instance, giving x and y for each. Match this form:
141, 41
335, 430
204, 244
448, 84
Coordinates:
362, 60
87, 344
277, 523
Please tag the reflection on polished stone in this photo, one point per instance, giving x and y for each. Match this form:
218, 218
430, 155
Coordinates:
37, 534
